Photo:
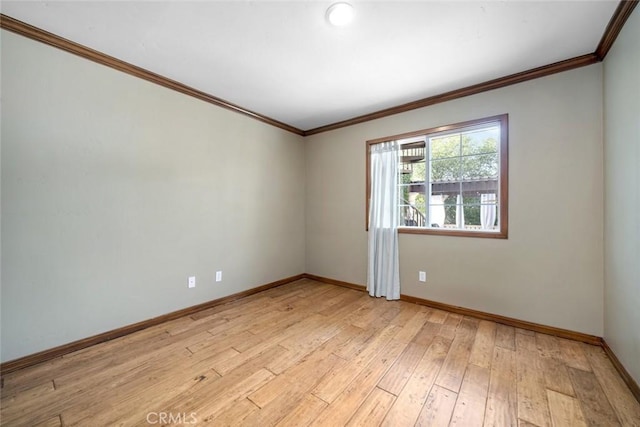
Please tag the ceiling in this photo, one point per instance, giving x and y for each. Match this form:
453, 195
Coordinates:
281, 59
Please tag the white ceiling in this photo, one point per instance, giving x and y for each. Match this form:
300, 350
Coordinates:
282, 59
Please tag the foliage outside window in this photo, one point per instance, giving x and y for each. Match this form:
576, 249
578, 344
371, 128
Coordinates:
453, 179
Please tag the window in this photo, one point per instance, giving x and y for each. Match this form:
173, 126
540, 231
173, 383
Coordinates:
453, 179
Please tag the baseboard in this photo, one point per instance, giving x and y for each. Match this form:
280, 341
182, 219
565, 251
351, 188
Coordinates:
335, 282
45, 355
523, 324
628, 379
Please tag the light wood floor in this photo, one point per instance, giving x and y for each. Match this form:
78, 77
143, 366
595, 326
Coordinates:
308, 353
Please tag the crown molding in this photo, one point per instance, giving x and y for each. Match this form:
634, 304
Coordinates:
617, 21
10, 24
620, 16
546, 70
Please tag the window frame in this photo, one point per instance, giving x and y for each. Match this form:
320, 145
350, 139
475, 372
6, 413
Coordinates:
503, 181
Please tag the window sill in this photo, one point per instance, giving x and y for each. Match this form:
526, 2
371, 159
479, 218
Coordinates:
456, 233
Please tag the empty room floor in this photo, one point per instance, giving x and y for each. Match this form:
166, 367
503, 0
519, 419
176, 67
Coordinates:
308, 353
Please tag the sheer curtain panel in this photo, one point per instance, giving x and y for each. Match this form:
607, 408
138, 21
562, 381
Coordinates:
383, 276
487, 211
459, 212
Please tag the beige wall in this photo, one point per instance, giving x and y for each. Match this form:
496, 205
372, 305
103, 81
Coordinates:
550, 270
622, 196
114, 190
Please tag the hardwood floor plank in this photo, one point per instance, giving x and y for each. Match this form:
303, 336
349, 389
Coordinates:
18, 381
214, 357
100, 386
133, 397
305, 376
505, 336
286, 399
548, 346
286, 360
208, 411
275, 337
356, 343
311, 293
472, 399
526, 342
303, 343
346, 297
24, 397
195, 399
426, 334
251, 340
235, 415
565, 410
523, 423
229, 306
619, 395
253, 317
378, 311
407, 312
595, 405
482, 350
438, 408
449, 326
339, 341
51, 422
337, 380
101, 355
126, 359
373, 409
222, 341
399, 374
407, 407
350, 304
304, 413
307, 339
346, 403
437, 316
455, 364
573, 354
556, 376
532, 397
502, 403
188, 325
413, 326
269, 324
16, 407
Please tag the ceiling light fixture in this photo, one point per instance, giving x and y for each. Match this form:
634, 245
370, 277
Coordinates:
340, 14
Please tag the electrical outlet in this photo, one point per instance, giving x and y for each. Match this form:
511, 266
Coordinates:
422, 276
192, 281
219, 276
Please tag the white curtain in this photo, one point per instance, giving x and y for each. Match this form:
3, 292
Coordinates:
383, 276
436, 210
487, 210
459, 212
